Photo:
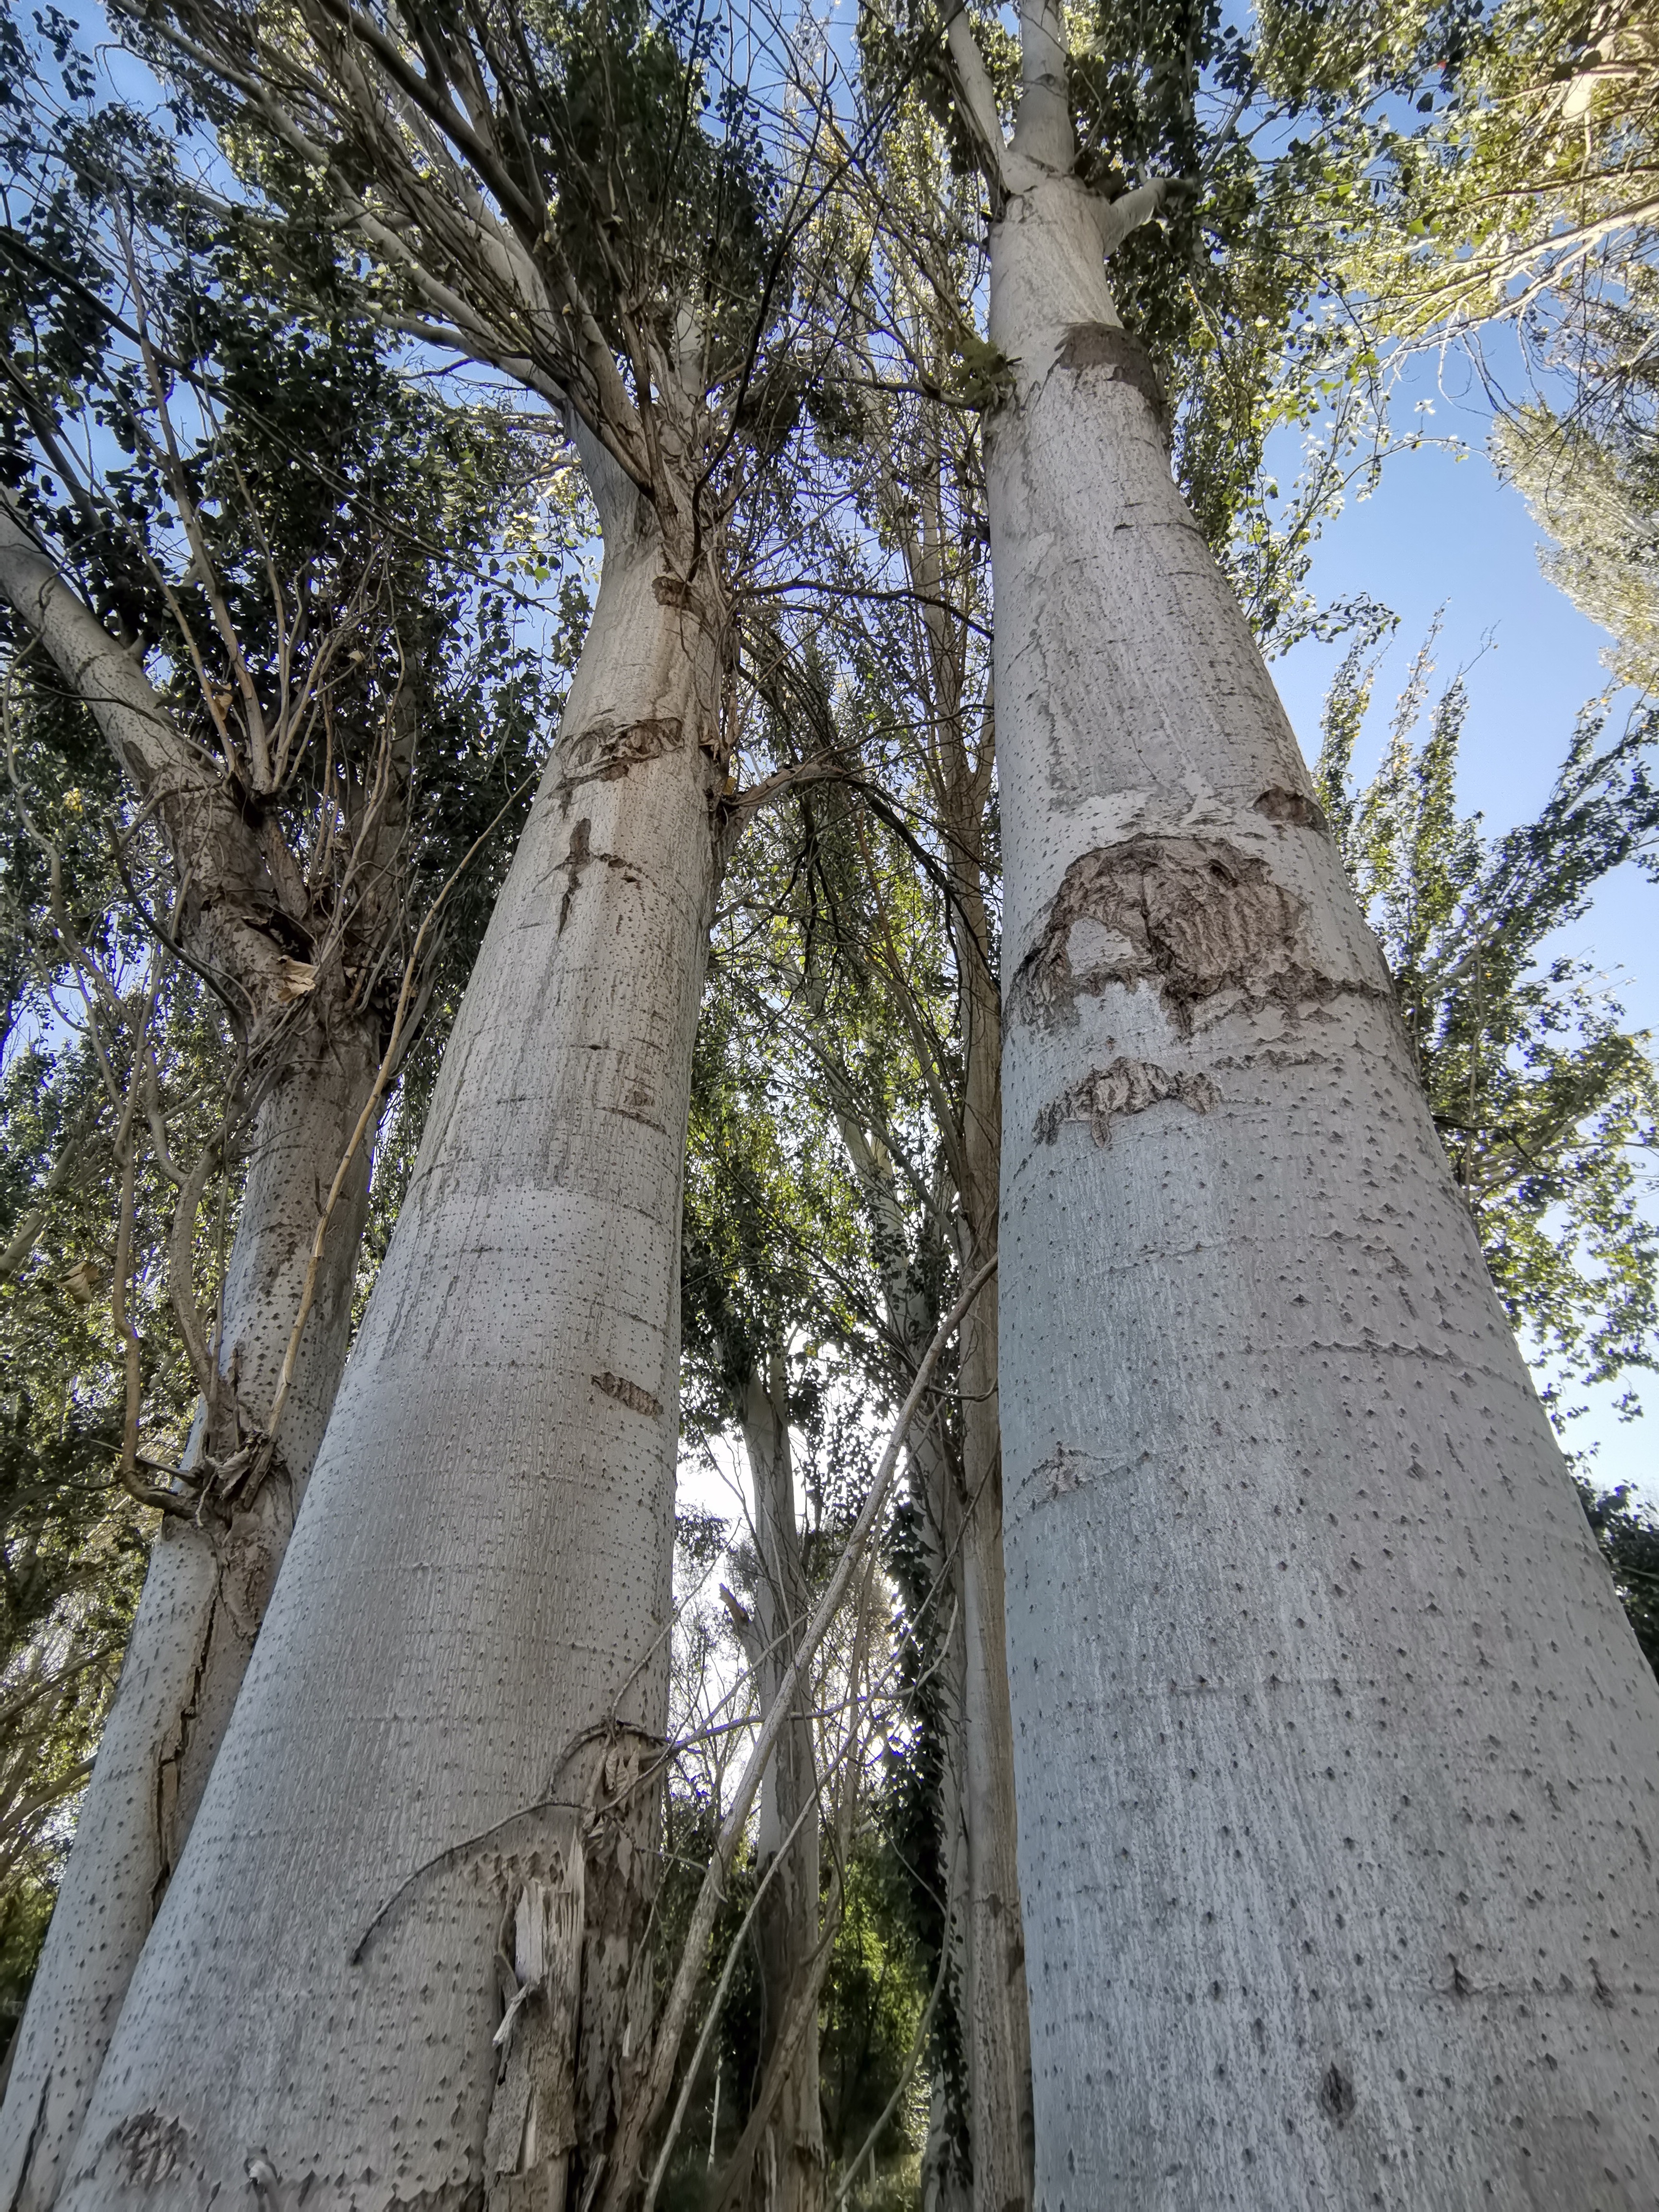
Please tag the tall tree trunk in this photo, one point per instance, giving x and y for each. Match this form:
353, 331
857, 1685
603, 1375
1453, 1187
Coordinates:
401, 1960
204, 1597
998, 2047
947, 2158
983, 1894
787, 2172
1336, 1757
210, 1577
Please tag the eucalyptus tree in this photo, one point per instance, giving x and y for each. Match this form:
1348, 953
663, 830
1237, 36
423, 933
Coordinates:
546, 195
249, 609
1316, 1674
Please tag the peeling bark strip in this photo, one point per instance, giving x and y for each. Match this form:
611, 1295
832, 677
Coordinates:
1194, 913
1098, 345
626, 1392
1127, 1086
532, 2126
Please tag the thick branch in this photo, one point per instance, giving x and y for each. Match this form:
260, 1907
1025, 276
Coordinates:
976, 102
212, 845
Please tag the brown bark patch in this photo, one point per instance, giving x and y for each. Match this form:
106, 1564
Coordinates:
628, 1394
1278, 804
606, 751
1125, 360
150, 2148
680, 594
1192, 915
615, 2035
531, 2130
1126, 1086
574, 861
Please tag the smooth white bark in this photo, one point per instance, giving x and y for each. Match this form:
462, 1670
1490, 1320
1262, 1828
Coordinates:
449, 1713
1337, 1760
203, 1596
208, 1580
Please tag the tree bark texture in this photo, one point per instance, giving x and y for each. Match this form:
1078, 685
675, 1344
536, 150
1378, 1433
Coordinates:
401, 1962
787, 2172
1337, 1760
998, 2041
203, 1598
209, 1578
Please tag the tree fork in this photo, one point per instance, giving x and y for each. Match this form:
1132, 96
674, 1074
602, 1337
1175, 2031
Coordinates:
210, 1573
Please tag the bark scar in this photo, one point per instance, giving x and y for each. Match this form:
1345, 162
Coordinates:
1277, 805
1126, 1086
606, 751
1336, 2094
1194, 915
1064, 1471
149, 2147
628, 1394
574, 861
169, 1767
1098, 345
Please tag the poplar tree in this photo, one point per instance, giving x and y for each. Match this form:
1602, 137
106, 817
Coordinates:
246, 608
1314, 1667
432, 1822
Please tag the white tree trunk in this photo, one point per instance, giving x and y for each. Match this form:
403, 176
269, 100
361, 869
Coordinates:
998, 2030
1337, 1760
204, 1597
999, 2043
438, 1785
787, 2175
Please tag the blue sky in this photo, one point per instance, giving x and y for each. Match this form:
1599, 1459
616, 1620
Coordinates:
1442, 531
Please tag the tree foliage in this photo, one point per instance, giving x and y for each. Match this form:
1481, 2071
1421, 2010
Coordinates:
1544, 1101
